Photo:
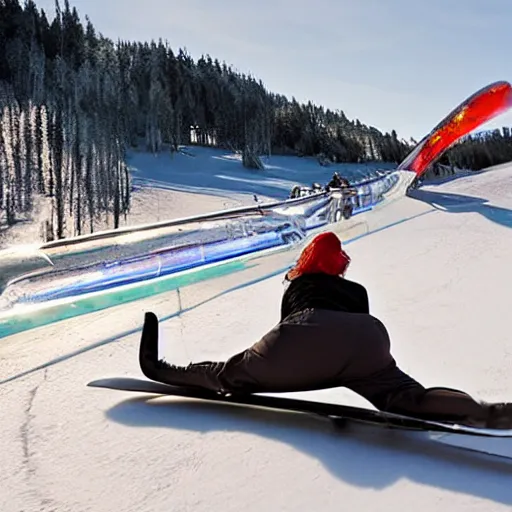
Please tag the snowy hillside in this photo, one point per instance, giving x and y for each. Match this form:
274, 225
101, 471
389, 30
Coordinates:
166, 187
202, 180
440, 281
219, 172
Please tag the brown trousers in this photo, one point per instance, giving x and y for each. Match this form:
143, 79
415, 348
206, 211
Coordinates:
319, 349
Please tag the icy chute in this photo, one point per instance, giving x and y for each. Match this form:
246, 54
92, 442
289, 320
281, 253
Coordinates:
94, 272
484, 105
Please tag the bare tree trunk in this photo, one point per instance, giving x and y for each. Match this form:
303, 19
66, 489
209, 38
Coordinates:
29, 162
117, 195
58, 168
38, 148
89, 185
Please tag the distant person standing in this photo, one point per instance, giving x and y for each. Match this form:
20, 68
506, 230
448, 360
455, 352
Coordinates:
338, 182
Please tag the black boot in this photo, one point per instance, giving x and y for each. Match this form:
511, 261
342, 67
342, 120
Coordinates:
148, 349
500, 416
199, 375
495, 416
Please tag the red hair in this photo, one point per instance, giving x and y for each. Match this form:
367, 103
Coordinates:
322, 255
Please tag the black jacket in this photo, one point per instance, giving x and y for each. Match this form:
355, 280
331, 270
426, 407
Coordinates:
323, 291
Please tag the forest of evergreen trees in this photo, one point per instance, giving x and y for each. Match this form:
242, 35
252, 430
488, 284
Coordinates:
480, 150
72, 102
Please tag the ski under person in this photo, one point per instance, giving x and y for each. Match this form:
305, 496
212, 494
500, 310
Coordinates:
326, 338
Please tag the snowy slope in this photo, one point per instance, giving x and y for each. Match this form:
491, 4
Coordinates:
220, 172
439, 281
197, 180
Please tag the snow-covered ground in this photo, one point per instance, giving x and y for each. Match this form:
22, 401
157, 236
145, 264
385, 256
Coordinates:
193, 181
220, 172
440, 282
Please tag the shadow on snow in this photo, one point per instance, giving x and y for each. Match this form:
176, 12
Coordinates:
457, 203
360, 455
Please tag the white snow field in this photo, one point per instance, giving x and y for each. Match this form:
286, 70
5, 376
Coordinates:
197, 180
441, 283
220, 172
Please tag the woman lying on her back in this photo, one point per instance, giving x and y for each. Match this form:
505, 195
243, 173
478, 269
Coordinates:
326, 338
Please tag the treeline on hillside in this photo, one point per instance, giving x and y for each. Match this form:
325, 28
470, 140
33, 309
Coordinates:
60, 134
480, 150
72, 102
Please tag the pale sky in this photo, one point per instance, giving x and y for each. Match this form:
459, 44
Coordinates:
394, 64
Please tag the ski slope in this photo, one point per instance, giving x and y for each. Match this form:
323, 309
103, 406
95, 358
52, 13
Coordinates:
197, 180
441, 283
214, 171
